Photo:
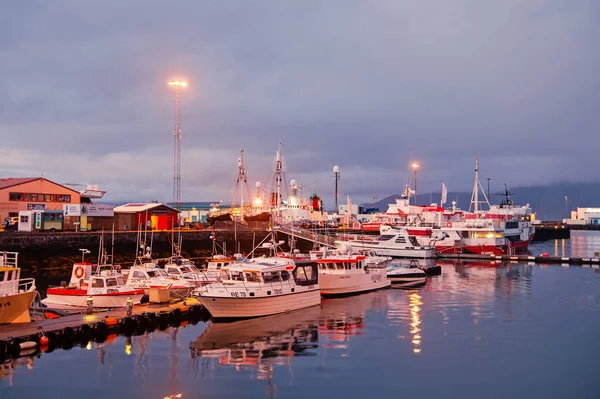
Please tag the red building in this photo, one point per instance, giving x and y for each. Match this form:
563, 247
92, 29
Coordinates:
140, 215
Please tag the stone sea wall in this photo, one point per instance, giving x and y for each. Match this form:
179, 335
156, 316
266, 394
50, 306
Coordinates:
44, 252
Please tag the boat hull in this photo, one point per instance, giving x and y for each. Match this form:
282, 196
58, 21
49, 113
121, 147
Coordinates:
230, 307
15, 308
516, 247
341, 284
407, 278
57, 299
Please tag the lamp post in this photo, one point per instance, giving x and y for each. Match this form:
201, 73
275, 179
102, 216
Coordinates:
336, 172
415, 166
488, 179
177, 84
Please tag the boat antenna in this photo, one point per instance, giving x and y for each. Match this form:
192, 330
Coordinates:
112, 246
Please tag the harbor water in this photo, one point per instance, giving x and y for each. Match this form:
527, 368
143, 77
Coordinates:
479, 330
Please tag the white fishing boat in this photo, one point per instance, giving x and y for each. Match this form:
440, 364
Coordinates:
397, 243
181, 268
342, 272
146, 275
261, 286
16, 294
103, 283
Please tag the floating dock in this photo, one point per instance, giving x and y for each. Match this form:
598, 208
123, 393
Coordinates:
64, 332
524, 259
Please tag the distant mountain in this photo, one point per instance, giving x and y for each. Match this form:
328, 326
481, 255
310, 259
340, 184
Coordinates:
548, 202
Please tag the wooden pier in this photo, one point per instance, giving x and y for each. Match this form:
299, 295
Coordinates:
66, 330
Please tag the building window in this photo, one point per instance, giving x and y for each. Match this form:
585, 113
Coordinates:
38, 197
15, 196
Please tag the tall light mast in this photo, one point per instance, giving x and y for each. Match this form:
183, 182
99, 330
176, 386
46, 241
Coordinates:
178, 84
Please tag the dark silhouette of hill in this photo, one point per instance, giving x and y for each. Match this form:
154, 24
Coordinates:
548, 202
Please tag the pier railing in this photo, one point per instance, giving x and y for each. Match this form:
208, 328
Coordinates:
305, 234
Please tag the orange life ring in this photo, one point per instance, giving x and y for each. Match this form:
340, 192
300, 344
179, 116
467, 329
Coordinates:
79, 271
449, 224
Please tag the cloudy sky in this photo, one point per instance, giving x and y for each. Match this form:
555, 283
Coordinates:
366, 85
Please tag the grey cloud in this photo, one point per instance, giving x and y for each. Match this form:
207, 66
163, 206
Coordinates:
366, 85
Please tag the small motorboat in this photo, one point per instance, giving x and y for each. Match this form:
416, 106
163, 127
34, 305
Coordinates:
405, 273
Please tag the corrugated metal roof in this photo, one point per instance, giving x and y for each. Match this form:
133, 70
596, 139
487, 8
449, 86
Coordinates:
140, 207
14, 181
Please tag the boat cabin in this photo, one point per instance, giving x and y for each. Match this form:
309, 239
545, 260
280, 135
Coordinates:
304, 273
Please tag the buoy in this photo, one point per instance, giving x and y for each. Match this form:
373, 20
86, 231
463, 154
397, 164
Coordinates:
44, 340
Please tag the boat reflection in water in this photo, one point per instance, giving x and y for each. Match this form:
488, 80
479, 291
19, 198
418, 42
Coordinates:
8, 368
258, 345
481, 288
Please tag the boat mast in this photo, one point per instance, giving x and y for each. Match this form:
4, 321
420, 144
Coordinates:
278, 177
476, 186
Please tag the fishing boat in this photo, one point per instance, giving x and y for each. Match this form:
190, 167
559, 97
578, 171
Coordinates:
393, 242
16, 294
103, 283
181, 268
261, 286
342, 272
145, 274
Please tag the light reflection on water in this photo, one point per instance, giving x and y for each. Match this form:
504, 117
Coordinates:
470, 330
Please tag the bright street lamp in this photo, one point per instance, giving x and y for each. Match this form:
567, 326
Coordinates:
415, 166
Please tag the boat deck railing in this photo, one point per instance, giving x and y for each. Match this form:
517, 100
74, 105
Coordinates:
9, 259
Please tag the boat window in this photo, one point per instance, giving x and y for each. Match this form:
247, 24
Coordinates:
252, 277
340, 266
400, 240
237, 276
111, 282
186, 269
151, 273
306, 274
2, 275
121, 280
225, 275
414, 242
270, 277
97, 283
219, 265
285, 275
172, 270
137, 274
331, 266
385, 237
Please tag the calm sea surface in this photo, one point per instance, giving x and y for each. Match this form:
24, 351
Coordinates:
476, 331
